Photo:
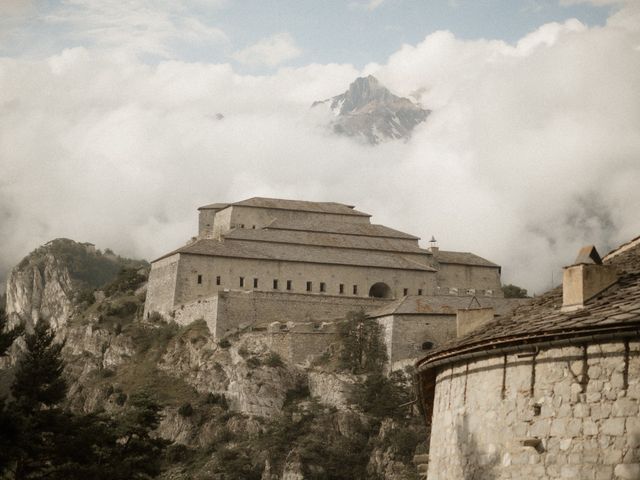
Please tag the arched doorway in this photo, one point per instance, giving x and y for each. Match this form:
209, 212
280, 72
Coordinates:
380, 290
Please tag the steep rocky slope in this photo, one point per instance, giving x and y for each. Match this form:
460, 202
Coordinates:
233, 409
369, 111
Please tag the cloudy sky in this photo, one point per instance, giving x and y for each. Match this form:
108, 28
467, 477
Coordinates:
109, 130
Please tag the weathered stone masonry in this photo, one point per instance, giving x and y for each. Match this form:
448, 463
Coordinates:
580, 403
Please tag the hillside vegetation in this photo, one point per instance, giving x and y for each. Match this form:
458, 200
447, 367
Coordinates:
229, 409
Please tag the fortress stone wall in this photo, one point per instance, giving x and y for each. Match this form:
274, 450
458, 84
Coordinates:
227, 312
264, 260
565, 413
407, 337
468, 280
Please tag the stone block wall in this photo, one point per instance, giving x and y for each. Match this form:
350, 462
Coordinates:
465, 277
404, 335
565, 413
229, 311
161, 289
300, 343
206, 309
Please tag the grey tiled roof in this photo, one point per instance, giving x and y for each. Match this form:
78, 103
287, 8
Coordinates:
615, 308
445, 305
214, 206
328, 240
301, 253
363, 229
300, 205
462, 258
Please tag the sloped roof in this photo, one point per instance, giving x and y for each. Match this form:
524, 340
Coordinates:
326, 240
214, 206
362, 229
616, 308
445, 305
462, 258
304, 254
301, 205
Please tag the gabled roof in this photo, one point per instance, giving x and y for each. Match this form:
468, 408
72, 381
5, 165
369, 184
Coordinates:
363, 229
445, 305
214, 206
300, 254
615, 309
301, 206
324, 239
462, 258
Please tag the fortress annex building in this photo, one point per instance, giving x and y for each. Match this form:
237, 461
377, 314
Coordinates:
263, 260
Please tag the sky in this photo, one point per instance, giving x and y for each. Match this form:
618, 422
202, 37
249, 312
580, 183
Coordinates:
109, 130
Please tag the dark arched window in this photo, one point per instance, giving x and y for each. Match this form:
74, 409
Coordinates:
428, 345
380, 290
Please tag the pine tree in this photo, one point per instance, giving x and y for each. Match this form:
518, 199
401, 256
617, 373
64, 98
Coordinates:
39, 383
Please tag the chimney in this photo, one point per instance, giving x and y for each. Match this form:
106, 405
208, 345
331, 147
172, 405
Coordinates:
471, 319
585, 279
433, 245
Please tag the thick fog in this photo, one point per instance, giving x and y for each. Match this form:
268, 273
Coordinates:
531, 150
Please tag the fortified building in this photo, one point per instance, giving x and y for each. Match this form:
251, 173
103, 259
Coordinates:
550, 391
266, 260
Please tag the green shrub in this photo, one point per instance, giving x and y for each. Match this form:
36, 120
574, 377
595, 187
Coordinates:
253, 362
185, 410
381, 397
362, 349
273, 360
86, 296
243, 352
224, 343
296, 394
120, 398
216, 399
127, 280
107, 372
403, 441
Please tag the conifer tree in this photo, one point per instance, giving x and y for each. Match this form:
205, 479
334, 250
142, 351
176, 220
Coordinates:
39, 383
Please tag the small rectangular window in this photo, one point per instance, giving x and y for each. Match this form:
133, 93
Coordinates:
405, 292
289, 284
199, 279
218, 281
419, 291
309, 286
255, 283
275, 283
242, 281
342, 288
355, 289
323, 287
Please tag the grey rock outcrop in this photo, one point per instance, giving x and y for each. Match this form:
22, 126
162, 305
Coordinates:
40, 290
371, 112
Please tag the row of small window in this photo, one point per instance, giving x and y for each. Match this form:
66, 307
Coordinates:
276, 285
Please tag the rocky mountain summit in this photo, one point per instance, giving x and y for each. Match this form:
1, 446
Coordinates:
369, 111
231, 407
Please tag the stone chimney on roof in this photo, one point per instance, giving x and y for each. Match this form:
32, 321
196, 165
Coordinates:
433, 245
585, 279
470, 319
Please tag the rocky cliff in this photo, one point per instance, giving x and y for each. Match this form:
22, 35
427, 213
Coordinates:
232, 409
369, 111
45, 283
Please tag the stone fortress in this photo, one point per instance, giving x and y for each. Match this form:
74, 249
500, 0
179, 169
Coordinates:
551, 391
303, 264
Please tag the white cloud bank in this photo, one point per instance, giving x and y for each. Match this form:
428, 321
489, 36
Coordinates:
531, 150
270, 51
